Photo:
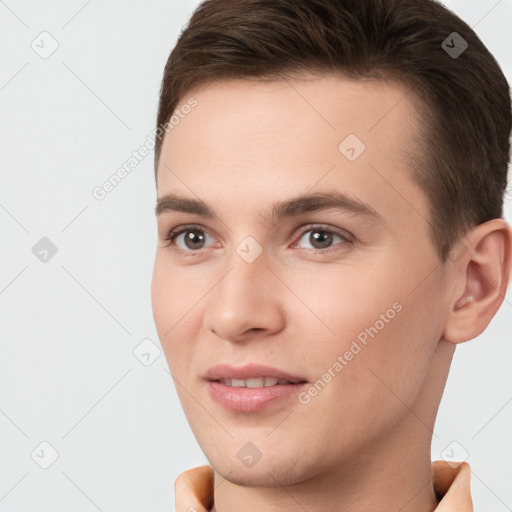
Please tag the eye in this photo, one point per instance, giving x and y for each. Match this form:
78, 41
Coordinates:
321, 238
192, 239
188, 239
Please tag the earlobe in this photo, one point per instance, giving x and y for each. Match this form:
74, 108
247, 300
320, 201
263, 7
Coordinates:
484, 276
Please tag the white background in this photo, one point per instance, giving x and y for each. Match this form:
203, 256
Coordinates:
69, 326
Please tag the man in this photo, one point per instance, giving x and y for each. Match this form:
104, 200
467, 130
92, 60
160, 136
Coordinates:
330, 189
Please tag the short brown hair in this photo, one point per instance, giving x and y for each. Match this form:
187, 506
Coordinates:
463, 160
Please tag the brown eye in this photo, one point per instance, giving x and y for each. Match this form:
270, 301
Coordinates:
321, 238
194, 239
188, 239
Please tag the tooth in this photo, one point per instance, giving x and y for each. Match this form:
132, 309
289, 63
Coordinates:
256, 382
271, 381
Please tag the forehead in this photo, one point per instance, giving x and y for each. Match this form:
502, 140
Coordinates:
252, 141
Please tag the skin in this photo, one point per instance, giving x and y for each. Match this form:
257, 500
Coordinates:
364, 440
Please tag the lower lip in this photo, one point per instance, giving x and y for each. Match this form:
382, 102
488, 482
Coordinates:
251, 399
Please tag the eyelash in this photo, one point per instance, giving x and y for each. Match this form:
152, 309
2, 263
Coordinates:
174, 233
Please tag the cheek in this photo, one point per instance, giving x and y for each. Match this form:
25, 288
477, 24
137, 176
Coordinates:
343, 302
364, 388
172, 303
174, 292
377, 338
161, 298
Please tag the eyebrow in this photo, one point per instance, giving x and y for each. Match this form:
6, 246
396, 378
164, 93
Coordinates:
280, 210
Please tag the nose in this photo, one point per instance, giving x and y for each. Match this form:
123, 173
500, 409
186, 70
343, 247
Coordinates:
246, 302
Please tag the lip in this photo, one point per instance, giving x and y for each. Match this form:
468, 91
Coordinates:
249, 371
251, 399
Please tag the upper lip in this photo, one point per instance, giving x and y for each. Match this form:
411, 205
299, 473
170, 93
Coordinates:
249, 371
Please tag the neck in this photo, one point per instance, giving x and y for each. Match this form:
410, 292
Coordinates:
396, 477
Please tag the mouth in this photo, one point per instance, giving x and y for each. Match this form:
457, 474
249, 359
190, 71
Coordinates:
251, 388
256, 382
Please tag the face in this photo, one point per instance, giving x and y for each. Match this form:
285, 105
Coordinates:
299, 251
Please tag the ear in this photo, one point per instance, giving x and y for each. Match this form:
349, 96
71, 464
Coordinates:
483, 272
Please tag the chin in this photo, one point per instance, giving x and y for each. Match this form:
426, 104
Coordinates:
275, 470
